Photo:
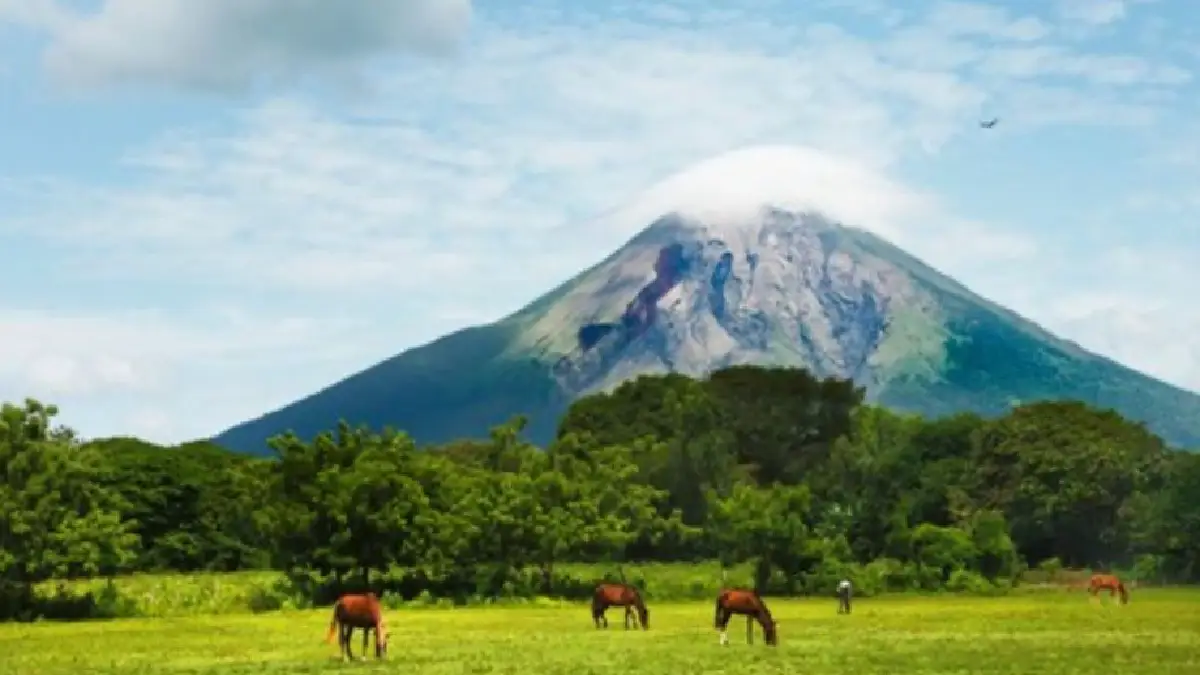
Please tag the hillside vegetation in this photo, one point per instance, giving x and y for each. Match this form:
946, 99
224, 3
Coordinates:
791, 476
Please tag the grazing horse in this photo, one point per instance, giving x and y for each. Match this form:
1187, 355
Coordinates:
358, 610
619, 595
1108, 582
749, 604
845, 593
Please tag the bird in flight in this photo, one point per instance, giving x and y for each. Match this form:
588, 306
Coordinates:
988, 124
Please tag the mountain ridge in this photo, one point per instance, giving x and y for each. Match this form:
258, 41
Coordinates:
737, 275
512, 359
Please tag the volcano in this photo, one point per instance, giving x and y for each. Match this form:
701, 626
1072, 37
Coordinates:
732, 271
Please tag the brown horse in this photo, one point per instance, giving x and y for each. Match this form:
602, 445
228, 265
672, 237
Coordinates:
749, 604
358, 610
619, 595
1109, 582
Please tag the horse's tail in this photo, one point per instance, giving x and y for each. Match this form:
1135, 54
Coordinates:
333, 624
381, 632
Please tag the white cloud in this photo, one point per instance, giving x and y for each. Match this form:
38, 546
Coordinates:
232, 45
525, 144
149, 423
1043, 60
968, 18
1154, 337
35, 13
81, 355
732, 187
176, 377
1095, 12
1135, 305
466, 187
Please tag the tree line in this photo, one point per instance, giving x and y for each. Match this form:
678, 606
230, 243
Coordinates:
773, 466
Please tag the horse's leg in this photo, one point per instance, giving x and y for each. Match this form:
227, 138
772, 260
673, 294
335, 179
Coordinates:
749, 630
344, 641
628, 616
366, 635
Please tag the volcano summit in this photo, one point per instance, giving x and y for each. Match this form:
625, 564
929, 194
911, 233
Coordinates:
738, 265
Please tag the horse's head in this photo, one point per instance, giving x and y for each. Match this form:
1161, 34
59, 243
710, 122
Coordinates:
644, 617
382, 635
770, 635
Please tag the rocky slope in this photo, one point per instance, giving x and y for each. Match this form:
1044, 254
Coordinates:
755, 279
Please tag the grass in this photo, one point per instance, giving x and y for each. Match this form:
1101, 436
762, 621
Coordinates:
1059, 633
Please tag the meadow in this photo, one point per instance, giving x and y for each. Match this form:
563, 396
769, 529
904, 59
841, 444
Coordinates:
1026, 632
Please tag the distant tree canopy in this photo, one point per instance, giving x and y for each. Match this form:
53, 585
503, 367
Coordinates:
769, 465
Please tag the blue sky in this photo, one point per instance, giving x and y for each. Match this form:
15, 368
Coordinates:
209, 209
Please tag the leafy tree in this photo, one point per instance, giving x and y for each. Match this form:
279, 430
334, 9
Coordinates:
182, 503
998, 558
769, 525
772, 465
1061, 473
635, 409
588, 502
941, 456
783, 420
869, 476
1172, 519
347, 502
943, 550
55, 521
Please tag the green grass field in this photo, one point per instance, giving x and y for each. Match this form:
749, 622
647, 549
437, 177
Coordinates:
1059, 633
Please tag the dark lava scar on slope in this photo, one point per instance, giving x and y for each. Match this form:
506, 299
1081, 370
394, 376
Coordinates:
642, 310
590, 334
716, 291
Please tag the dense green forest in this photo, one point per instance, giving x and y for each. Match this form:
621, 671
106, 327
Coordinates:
772, 467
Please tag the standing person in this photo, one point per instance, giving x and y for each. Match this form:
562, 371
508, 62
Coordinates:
845, 591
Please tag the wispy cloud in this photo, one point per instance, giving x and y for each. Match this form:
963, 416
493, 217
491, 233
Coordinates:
465, 186
234, 45
1095, 12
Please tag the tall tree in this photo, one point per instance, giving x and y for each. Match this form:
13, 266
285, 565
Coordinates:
1062, 472
768, 525
870, 476
55, 520
348, 502
783, 420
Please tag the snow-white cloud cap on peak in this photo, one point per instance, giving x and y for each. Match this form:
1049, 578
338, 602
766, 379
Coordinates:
733, 188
